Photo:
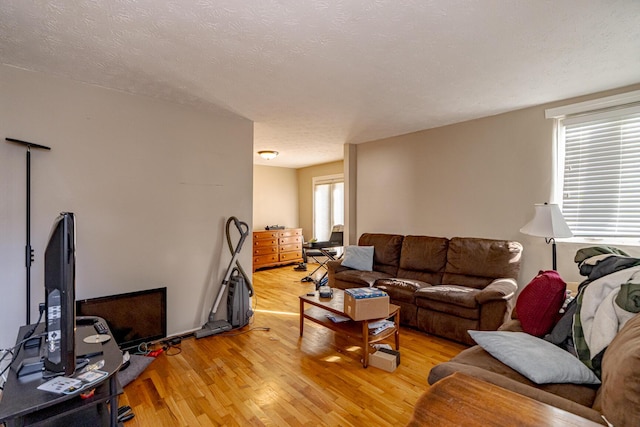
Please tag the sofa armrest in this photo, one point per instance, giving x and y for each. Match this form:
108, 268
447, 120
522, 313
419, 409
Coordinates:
499, 289
511, 325
335, 266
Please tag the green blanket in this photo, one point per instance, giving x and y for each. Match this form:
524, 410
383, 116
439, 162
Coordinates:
629, 295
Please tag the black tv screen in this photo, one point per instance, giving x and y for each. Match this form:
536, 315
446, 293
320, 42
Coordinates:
59, 285
134, 318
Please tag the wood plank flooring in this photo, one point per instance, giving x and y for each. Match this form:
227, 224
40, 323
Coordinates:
267, 375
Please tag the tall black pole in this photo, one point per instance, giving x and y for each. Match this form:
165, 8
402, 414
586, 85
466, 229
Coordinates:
28, 256
28, 250
553, 251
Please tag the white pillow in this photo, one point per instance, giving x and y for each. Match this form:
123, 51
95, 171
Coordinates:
358, 257
539, 360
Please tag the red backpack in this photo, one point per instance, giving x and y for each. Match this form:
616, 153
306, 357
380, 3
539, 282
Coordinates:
539, 303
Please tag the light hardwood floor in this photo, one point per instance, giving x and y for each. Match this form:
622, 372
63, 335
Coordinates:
275, 377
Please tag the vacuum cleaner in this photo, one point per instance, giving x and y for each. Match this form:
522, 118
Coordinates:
239, 310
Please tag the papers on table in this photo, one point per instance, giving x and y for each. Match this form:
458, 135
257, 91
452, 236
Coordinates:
379, 326
336, 318
66, 385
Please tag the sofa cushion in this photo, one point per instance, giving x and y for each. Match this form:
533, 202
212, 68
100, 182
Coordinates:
360, 279
539, 303
537, 359
475, 262
400, 289
358, 257
450, 294
423, 258
386, 256
619, 396
433, 309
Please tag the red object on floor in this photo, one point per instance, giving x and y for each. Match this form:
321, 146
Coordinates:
155, 353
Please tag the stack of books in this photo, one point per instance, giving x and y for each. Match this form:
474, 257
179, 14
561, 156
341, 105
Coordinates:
360, 293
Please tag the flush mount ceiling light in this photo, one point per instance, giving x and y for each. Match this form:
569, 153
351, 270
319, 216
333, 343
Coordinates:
268, 154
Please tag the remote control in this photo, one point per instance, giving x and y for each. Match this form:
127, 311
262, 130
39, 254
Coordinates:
101, 328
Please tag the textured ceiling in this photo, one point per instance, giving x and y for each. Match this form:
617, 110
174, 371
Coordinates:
314, 75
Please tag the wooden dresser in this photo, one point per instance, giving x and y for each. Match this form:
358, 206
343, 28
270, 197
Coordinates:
273, 248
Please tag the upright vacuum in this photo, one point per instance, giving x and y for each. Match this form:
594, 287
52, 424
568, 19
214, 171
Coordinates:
239, 310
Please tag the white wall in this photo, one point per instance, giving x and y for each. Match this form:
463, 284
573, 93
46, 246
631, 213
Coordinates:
151, 184
475, 179
275, 197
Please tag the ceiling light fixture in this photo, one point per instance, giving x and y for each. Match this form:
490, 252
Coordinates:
268, 154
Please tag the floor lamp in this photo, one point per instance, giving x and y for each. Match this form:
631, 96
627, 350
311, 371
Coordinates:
549, 223
28, 249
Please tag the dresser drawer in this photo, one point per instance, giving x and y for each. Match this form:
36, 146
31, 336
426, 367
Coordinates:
265, 259
270, 234
290, 240
265, 242
291, 232
265, 250
291, 247
288, 256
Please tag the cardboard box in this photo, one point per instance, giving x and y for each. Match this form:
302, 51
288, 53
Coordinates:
387, 360
366, 303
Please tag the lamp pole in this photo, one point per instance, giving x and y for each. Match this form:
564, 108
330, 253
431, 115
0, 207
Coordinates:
553, 251
28, 250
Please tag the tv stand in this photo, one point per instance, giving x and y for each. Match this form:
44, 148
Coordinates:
23, 404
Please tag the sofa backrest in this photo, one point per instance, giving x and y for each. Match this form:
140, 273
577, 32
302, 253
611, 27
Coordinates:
475, 262
423, 258
386, 252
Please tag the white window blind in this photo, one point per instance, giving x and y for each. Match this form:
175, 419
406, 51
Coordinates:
601, 183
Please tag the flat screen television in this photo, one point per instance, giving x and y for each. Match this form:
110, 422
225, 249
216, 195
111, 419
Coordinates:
60, 286
134, 318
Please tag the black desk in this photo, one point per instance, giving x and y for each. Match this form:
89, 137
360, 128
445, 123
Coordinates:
23, 404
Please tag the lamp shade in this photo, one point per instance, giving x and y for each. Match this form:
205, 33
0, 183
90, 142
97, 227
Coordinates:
547, 222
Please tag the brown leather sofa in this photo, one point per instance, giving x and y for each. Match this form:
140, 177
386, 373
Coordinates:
617, 398
443, 286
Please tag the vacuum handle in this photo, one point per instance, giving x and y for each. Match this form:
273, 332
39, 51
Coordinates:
243, 229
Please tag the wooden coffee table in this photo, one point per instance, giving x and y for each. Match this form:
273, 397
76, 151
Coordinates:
358, 329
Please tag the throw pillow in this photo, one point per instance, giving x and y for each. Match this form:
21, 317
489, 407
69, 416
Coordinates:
537, 359
358, 257
539, 303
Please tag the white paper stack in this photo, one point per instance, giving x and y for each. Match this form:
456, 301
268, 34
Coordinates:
379, 326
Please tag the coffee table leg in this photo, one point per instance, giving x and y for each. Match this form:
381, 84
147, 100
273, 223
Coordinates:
301, 315
365, 347
396, 319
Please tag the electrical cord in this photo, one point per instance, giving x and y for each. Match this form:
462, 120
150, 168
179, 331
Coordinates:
167, 349
11, 350
27, 336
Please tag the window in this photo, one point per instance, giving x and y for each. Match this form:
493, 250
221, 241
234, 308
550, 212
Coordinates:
328, 205
599, 172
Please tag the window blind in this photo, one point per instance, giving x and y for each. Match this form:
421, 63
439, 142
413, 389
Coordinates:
601, 188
